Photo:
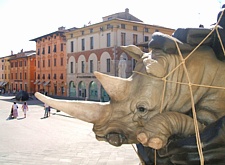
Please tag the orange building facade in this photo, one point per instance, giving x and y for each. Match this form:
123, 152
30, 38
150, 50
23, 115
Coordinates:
51, 63
22, 71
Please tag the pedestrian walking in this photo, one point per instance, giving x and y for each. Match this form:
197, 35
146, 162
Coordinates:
15, 110
25, 108
46, 108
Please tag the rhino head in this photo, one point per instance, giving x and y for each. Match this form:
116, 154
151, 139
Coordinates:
133, 101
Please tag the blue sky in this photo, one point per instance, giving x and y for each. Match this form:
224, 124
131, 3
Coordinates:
22, 20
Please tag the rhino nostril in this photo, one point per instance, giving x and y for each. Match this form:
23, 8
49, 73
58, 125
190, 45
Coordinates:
115, 139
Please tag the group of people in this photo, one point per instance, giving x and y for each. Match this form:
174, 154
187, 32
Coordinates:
14, 110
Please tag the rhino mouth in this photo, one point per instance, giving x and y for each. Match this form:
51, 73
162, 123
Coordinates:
113, 138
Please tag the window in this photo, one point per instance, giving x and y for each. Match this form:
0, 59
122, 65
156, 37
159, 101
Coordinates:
71, 67
156, 30
71, 46
61, 61
133, 63
146, 38
16, 75
38, 53
54, 50
82, 66
11, 75
25, 75
123, 26
123, 39
54, 61
91, 66
61, 76
25, 87
49, 49
135, 37
83, 44
135, 28
43, 63
91, 42
82, 32
108, 65
71, 35
43, 76
38, 76
61, 46
108, 26
146, 30
49, 62
91, 30
38, 64
108, 40
43, 51
54, 76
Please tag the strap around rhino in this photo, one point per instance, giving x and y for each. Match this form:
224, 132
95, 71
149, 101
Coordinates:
187, 40
167, 44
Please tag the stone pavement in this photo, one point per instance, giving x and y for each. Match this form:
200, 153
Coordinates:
59, 139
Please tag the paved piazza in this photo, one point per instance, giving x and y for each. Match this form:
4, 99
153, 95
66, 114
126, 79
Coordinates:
59, 139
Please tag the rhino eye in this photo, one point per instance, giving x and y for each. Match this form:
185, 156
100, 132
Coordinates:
141, 109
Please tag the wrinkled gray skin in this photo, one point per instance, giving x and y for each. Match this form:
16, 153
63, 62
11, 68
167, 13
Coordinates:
136, 101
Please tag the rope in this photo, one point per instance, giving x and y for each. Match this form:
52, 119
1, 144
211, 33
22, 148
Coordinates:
198, 139
141, 160
189, 84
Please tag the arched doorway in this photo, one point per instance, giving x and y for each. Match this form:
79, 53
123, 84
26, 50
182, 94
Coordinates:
104, 95
72, 89
93, 91
82, 89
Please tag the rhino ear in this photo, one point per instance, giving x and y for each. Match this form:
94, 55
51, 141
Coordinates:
133, 51
116, 87
156, 68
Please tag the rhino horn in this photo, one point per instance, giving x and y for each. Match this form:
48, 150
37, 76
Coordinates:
87, 111
116, 87
133, 51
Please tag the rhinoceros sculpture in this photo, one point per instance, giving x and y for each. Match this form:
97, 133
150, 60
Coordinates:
156, 101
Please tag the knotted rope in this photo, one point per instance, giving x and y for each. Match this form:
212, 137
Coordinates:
189, 84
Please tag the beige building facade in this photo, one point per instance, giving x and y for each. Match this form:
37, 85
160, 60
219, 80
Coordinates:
97, 48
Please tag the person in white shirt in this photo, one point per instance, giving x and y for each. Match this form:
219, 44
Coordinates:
15, 110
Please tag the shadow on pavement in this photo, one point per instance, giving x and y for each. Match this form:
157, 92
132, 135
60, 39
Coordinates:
63, 115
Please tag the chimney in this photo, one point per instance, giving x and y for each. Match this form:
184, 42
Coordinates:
126, 10
61, 28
